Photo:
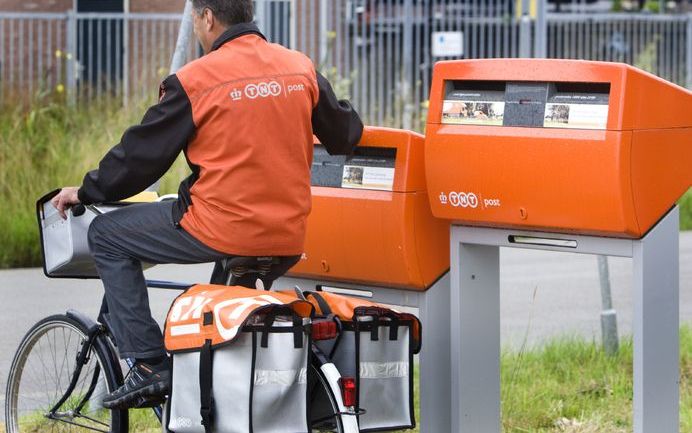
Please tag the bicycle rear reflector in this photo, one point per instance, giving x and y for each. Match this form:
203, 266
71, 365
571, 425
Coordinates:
324, 330
348, 391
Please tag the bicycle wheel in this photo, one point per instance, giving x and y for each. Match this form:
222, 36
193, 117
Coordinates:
41, 373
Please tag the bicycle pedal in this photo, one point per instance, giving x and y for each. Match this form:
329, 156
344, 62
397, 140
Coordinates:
147, 402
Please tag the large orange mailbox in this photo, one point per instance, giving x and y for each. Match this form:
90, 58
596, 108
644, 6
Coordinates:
568, 156
371, 221
556, 145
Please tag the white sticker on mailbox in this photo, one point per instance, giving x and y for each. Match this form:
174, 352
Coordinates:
578, 116
355, 176
473, 112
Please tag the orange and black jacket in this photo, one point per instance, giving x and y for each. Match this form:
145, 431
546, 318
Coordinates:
244, 115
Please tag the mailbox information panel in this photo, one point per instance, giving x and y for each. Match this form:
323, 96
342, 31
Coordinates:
367, 168
549, 105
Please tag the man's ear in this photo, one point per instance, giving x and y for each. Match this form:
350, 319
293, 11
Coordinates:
209, 20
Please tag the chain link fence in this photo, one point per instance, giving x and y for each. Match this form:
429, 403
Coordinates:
379, 53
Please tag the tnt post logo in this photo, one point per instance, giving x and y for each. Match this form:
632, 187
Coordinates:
460, 199
263, 90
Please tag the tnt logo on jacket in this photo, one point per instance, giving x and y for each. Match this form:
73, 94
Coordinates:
263, 90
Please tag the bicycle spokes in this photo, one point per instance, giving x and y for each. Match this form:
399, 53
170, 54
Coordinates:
59, 384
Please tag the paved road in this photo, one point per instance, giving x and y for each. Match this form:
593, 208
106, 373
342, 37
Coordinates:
543, 295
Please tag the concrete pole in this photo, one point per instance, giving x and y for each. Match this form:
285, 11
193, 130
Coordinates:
183, 43
71, 66
609, 324
407, 58
261, 17
324, 35
180, 54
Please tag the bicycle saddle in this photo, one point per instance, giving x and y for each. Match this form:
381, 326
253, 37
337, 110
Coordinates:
252, 272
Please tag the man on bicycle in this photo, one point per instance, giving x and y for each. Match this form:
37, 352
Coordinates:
244, 115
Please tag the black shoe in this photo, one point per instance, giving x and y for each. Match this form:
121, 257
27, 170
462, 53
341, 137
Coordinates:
145, 386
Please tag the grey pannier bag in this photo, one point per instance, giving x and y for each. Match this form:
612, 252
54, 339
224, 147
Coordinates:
240, 360
64, 243
376, 347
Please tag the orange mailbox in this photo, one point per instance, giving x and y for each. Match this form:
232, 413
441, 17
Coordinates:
371, 221
556, 145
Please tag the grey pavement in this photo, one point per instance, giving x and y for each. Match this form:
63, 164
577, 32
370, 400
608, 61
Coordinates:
543, 295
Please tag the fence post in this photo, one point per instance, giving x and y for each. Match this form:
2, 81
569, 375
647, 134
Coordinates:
540, 48
71, 55
689, 51
609, 324
525, 30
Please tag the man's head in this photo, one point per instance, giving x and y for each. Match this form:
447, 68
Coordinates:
213, 17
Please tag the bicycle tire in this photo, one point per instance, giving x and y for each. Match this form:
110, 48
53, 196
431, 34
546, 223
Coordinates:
35, 338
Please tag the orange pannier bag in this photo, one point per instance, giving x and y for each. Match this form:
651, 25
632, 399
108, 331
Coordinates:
375, 346
240, 360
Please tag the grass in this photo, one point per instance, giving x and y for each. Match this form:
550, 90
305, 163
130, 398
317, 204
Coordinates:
48, 144
47, 147
568, 385
686, 211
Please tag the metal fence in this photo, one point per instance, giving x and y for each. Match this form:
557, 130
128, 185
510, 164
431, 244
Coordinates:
88, 53
380, 53
658, 43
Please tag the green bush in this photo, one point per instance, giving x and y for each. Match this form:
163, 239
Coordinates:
686, 211
49, 144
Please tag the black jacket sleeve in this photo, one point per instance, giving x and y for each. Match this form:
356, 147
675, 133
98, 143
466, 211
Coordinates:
335, 122
146, 151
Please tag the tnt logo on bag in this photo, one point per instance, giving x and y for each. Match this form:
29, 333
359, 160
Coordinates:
228, 314
185, 309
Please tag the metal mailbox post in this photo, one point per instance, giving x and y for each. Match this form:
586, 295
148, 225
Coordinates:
476, 333
560, 156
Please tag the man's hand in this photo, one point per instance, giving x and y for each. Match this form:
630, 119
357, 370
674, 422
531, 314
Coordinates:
66, 198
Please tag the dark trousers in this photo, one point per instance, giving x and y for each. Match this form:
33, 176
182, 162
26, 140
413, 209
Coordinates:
119, 242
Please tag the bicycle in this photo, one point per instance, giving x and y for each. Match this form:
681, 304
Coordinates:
77, 363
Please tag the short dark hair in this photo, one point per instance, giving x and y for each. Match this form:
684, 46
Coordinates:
228, 12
